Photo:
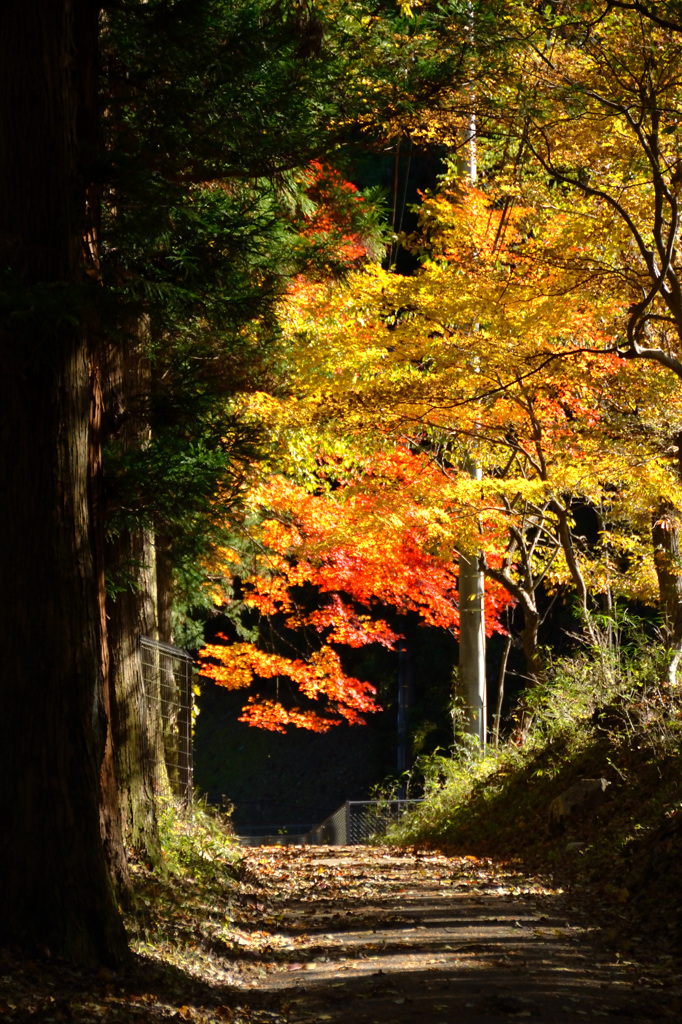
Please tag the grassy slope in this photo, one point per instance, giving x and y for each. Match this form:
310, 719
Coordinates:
625, 855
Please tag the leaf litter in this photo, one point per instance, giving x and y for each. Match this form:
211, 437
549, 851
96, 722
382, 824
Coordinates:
368, 934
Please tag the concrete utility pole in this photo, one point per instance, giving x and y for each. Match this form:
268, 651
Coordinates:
471, 581
472, 643
405, 702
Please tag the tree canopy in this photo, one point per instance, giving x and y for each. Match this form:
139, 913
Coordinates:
537, 338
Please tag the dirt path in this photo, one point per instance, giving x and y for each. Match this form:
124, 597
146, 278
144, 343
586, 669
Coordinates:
356, 935
361, 934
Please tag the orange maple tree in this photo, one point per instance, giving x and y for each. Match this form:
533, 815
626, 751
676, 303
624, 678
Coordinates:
358, 558
482, 355
534, 341
473, 356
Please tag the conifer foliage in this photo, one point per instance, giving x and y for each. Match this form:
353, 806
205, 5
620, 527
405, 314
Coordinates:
157, 160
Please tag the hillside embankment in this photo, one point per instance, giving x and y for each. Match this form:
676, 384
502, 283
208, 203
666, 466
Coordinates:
593, 797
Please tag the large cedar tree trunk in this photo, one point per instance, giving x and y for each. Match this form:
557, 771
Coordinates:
55, 889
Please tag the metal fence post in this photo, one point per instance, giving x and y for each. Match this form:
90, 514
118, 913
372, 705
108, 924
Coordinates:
185, 764
171, 667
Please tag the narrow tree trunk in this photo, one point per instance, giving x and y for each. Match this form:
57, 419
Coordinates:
529, 636
110, 812
666, 539
176, 682
131, 561
529, 643
136, 723
55, 888
568, 547
665, 535
472, 677
534, 666
500, 691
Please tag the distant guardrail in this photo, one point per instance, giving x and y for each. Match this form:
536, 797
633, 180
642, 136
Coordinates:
358, 821
354, 823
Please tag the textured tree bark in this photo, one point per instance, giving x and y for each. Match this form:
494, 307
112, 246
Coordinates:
55, 889
110, 813
131, 613
138, 741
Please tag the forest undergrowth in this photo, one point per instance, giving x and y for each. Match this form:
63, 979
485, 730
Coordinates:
603, 714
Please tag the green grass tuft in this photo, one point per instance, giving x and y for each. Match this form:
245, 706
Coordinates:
200, 842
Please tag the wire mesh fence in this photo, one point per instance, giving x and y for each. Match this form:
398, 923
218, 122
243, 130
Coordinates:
333, 831
167, 678
359, 821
